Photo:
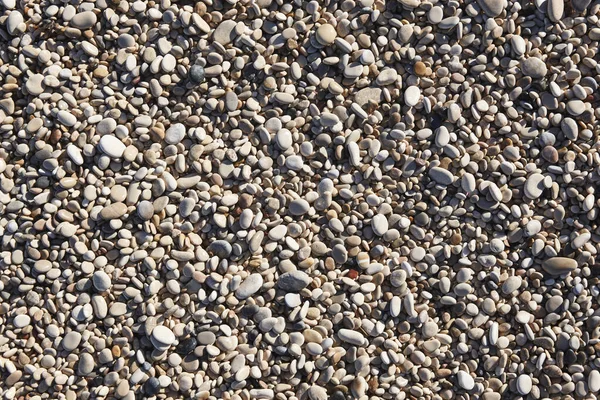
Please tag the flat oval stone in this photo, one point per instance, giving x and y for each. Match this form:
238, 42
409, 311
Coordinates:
326, 34
251, 285
113, 211
86, 364
225, 32
71, 341
162, 335
524, 384
465, 380
66, 118
101, 281
441, 176
299, 207
293, 281
412, 94
559, 265
351, 336
492, 8
83, 20
534, 68
534, 186
556, 10
380, 225
111, 146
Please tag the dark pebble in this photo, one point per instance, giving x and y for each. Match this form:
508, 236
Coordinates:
197, 74
186, 346
152, 386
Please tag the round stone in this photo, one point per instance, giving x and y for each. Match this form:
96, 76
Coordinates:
326, 34
175, 134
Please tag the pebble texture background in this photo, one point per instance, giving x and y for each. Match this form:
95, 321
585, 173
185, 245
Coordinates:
268, 199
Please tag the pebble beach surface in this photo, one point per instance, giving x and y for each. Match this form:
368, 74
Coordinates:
268, 199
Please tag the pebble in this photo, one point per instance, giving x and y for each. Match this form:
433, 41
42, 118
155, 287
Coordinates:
111, 146
302, 200
250, 286
326, 34
534, 68
175, 134
559, 265
524, 384
492, 8
412, 94
293, 281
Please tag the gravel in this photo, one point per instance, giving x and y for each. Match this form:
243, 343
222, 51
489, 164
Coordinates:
299, 200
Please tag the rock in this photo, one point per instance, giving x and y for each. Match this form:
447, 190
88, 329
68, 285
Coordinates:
102, 281
379, 223
524, 384
594, 381
556, 10
225, 32
299, 207
441, 176
559, 265
465, 380
534, 186
197, 74
387, 77
83, 20
351, 336
492, 8
249, 286
325, 34
86, 364
111, 146
175, 134
367, 95
221, 248
66, 118
162, 337
71, 341
412, 95
293, 281
14, 23
34, 85
534, 68
113, 211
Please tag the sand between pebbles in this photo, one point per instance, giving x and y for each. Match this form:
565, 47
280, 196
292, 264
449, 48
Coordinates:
299, 200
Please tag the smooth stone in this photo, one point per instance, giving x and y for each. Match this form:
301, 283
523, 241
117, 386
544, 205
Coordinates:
293, 281
249, 286
101, 281
111, 146
83, 20
74, 154
225, 32
412, 94
569, 128
14, 23
556, 10
492, 8
386, 77
221, 248
534, 186
299, 207
175, 134
197, 73
580, 5
559, 265
518, 45
380, 225
594, 381
326, 34
71, 341
534, 68
367, 95
34, 85
145, 210
21, 321
465, 380
351, 336
163, 336
113, 211
511, 284
284, 139
429, 330
575, 107
106, 126
66, 118
441, 176
86, 364
524, 384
